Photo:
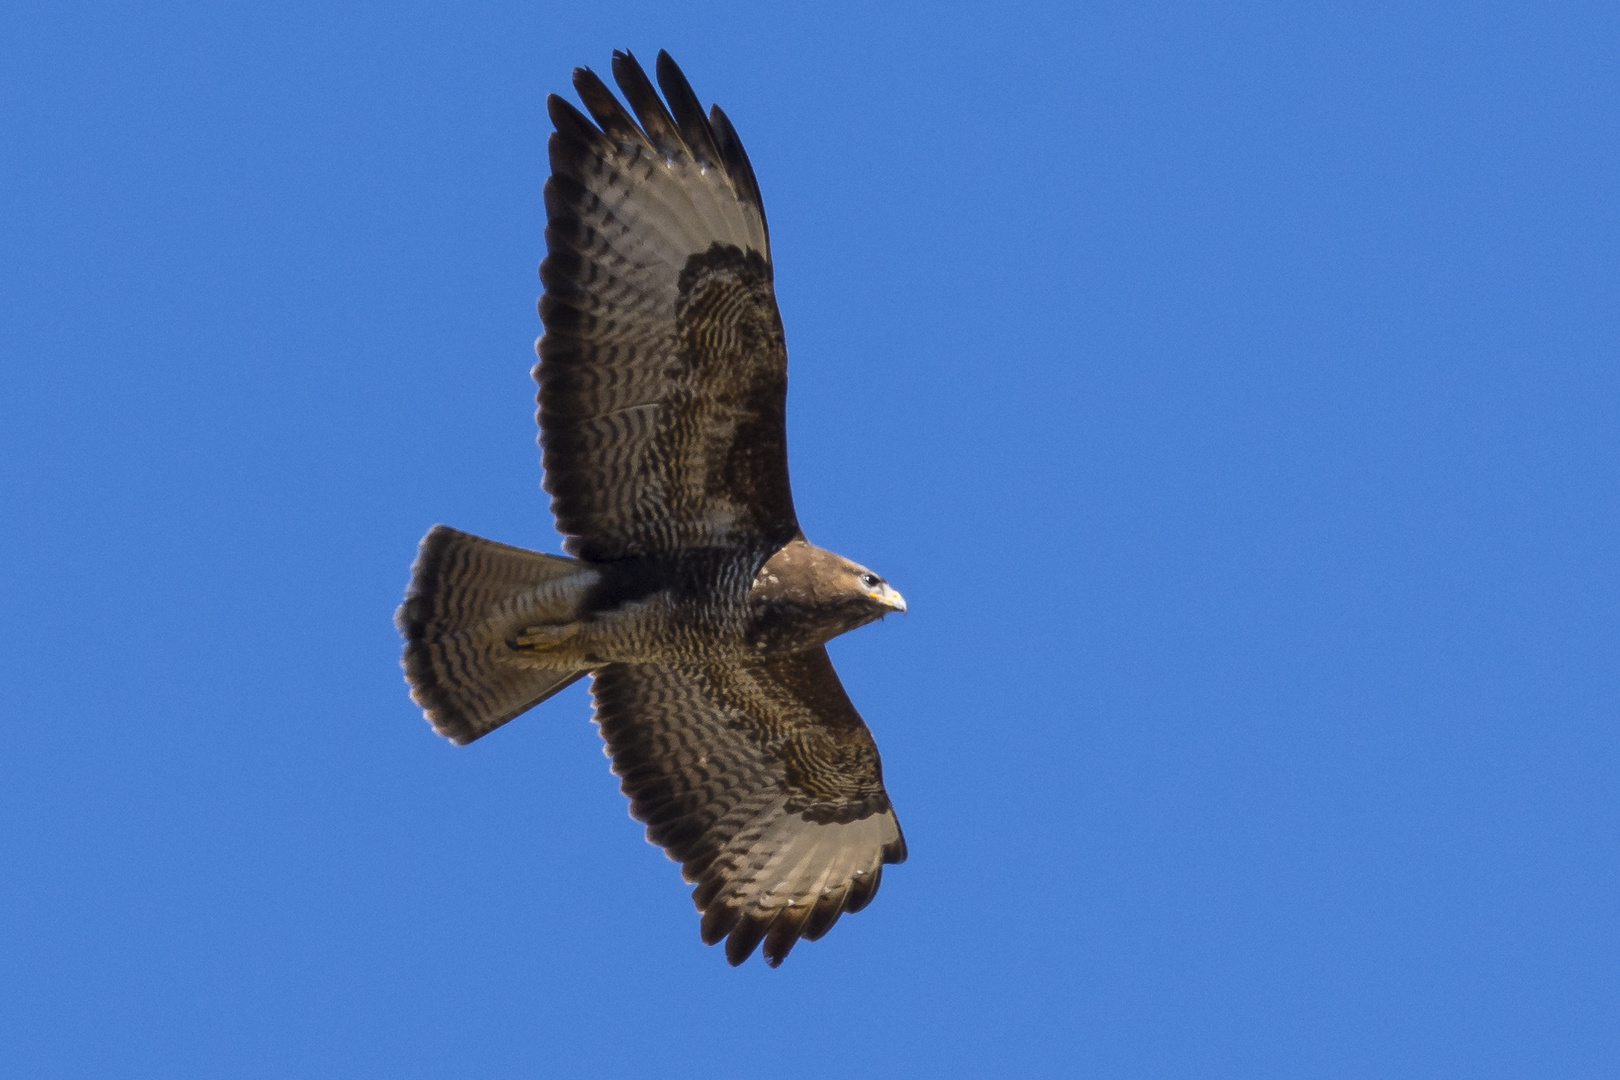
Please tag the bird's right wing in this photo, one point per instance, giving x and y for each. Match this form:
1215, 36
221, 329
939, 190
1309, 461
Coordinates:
761, 779
663, 370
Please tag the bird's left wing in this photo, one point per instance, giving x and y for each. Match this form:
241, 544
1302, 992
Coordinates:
663, 370
761, 779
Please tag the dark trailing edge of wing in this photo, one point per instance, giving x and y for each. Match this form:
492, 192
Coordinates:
782, 929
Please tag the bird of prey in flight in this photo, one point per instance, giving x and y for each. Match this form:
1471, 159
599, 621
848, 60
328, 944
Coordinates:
693, 599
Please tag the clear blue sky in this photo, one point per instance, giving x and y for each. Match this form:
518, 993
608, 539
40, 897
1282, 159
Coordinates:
1232, 390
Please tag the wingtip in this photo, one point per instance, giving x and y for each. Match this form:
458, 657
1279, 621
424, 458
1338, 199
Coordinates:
784, 933
667, 71
745, 938
624, 60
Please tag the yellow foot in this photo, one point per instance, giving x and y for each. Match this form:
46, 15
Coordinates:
543, 638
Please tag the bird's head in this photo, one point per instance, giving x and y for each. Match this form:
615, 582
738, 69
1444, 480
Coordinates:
804, 595
872, 591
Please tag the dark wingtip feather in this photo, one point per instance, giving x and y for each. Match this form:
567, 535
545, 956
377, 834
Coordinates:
745, 937
708, 888
605, 108
676, 130
570, 122
656, 122
784, 932
694, 126
738, 167
895, 851
862, 888
717, 923
824, 914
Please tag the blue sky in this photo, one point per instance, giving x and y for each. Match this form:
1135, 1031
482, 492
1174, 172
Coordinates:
1230, 388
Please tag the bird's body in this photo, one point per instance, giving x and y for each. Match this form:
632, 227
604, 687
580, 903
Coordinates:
693, 598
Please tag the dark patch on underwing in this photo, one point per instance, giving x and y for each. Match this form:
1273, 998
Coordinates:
731, 365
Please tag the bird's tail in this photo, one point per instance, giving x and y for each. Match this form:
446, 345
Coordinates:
471, 619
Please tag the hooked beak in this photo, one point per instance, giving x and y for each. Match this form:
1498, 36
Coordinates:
889, 597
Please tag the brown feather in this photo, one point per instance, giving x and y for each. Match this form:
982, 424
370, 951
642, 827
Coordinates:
761, 777
688, 112
663, 372
465, 593
606, 110
649, 108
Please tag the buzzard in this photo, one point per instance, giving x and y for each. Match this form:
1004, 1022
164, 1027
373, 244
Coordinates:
693, 599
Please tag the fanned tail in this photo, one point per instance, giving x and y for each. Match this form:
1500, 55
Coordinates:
470, 603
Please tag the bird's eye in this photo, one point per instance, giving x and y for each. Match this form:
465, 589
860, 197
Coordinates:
869, 580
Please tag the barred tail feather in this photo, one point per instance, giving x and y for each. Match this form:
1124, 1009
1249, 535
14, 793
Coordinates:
467, 598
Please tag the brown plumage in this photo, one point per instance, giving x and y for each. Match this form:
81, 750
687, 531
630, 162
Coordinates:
694, 600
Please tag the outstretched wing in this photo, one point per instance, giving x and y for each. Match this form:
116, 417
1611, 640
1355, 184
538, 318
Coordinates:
663, 371
762, 781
